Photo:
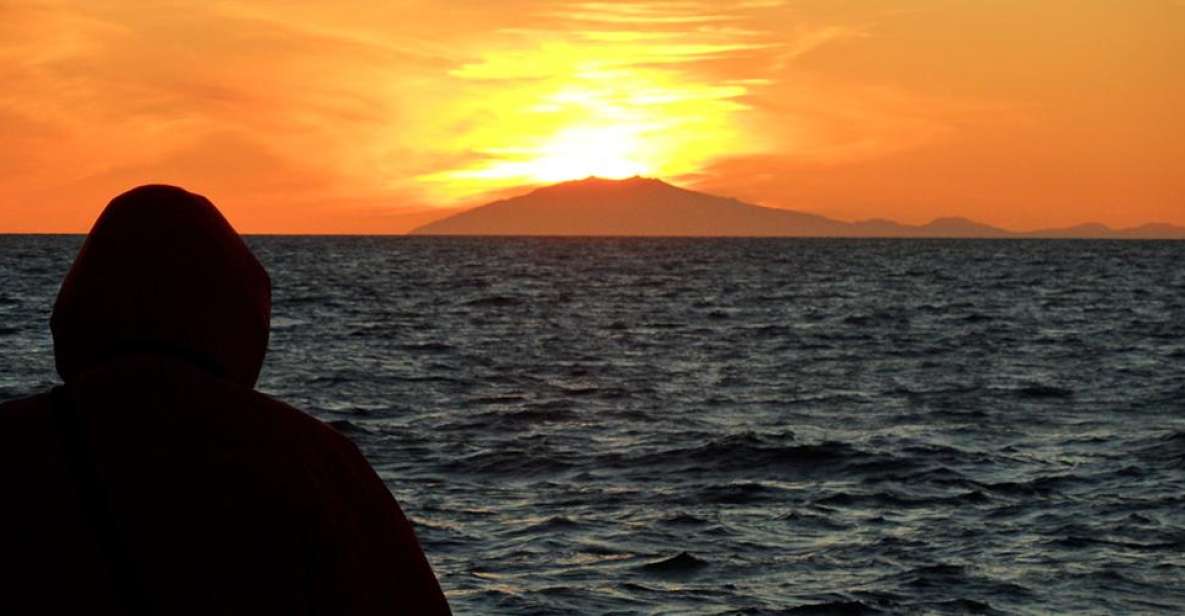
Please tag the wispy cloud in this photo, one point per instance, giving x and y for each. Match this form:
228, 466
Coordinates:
647, 13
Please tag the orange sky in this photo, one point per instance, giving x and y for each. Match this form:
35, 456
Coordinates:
370, 117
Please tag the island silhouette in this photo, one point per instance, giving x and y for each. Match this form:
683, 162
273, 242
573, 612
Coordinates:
648, 207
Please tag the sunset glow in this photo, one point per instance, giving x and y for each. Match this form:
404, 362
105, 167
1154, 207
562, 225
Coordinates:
609, 152
375, 117
609, 106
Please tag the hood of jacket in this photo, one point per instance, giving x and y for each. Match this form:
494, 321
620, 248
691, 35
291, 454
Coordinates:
163, 271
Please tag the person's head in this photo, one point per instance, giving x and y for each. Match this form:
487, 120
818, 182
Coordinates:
163, 271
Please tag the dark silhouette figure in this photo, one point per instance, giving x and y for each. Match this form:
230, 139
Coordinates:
156, 480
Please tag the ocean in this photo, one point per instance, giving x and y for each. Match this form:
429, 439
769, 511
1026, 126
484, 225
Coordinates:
749, 427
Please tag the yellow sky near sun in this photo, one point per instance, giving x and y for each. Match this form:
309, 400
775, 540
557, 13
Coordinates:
358, 116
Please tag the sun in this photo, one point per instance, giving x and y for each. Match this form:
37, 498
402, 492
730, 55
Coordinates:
611, 152
571, 153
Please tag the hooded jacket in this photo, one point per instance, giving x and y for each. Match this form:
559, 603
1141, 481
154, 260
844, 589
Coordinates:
156, 480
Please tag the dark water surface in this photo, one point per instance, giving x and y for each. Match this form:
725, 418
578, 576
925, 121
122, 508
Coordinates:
619, 426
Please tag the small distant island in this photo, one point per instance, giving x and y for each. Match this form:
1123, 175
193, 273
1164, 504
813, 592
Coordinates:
647, 207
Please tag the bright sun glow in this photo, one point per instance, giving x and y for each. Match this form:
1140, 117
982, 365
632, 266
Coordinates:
607, 152
572, 153
570, 111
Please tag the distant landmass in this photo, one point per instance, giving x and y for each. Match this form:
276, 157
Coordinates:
649, 207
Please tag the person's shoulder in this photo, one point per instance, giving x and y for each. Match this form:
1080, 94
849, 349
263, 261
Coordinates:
300, 423
24, 409
26, 429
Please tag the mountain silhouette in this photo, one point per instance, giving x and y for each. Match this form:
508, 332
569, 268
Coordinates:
648, 207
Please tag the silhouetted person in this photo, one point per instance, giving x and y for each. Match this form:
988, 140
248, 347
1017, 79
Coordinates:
156, 480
